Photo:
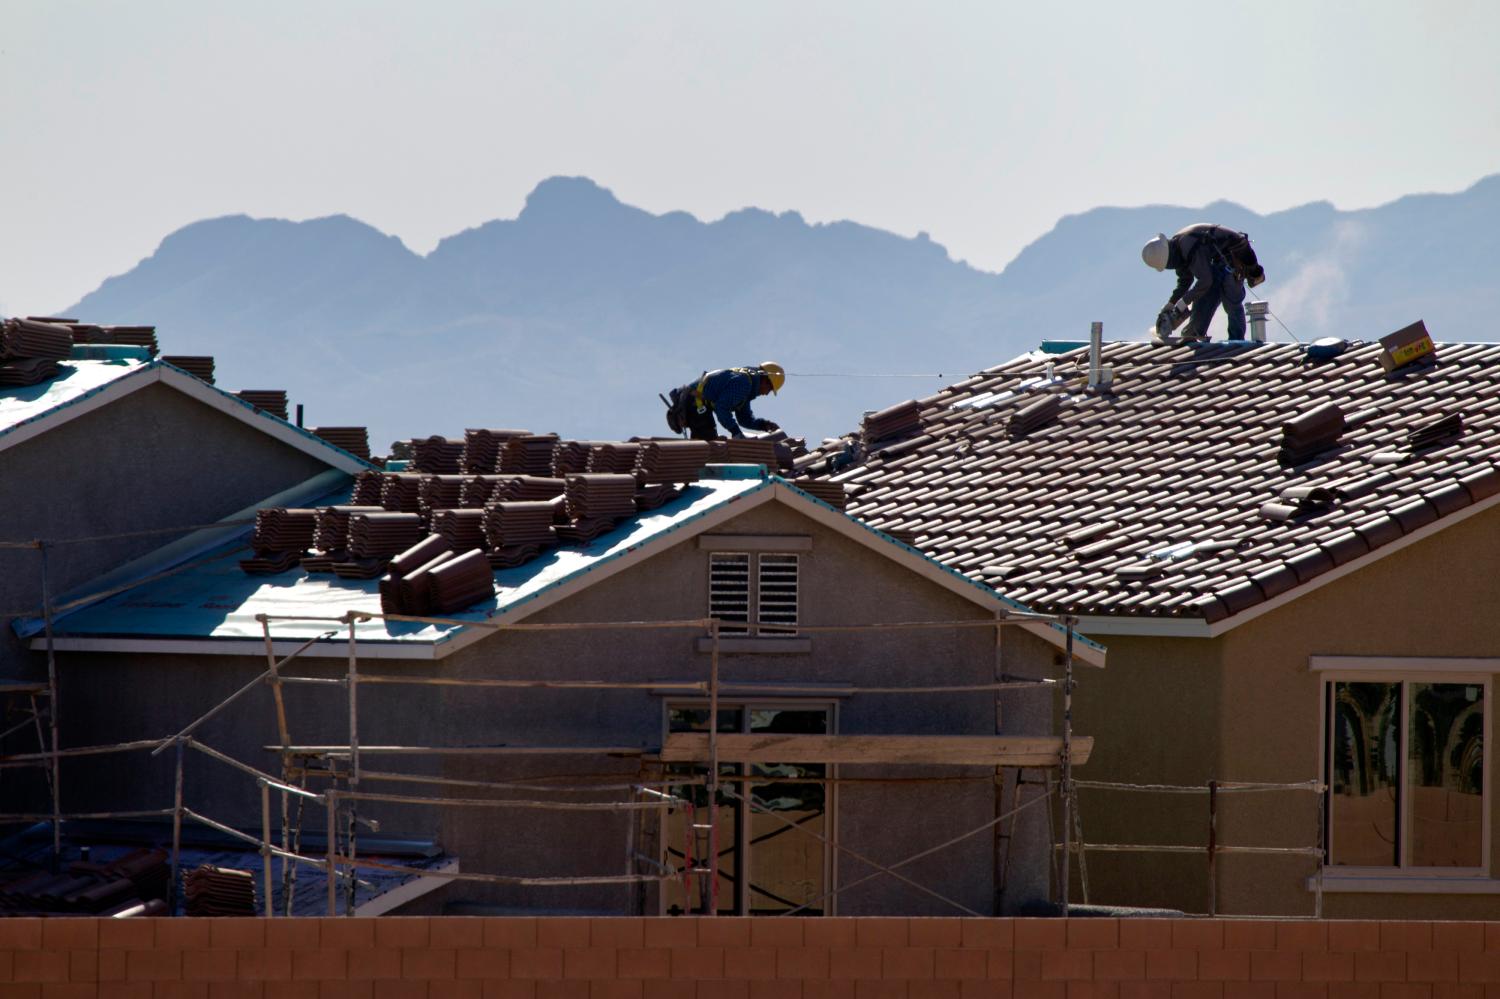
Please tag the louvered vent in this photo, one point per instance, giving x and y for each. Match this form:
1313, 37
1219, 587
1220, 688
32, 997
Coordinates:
776, 592
729, 591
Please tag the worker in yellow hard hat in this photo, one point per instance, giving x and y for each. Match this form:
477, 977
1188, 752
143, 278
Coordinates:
725, 394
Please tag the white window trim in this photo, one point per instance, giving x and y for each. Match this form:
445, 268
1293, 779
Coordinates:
830, 790
1393, 669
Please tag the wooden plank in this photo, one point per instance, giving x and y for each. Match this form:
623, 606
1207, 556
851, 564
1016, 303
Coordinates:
969, 750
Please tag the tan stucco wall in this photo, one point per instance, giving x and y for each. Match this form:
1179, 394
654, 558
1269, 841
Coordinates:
1246, 707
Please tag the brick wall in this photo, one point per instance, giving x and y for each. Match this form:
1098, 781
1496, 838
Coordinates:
474, 958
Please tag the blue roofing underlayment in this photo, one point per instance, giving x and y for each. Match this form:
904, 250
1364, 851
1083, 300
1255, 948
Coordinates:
214, 599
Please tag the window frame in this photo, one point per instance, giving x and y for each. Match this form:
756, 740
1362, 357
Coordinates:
746, 705
1395, 670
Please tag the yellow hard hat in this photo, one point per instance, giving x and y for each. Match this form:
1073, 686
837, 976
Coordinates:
775, 372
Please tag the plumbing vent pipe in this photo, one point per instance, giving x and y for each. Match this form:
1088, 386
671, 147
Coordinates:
1096, 348
1257, 312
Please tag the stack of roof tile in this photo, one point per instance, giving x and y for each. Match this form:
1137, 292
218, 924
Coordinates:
1435, 432
355, 440
437, 455
613, 457
478, 489
134, 336
1311, 433
332, 536
439, 492
482, 449
528, 455
571, 456
271, 401
751, 451
369, 485
219, 891
462, 529
29, 338
134, 884
393, 598
651, 497
892, 423
1034, 415
401, 491
831, 493
199, 366
597, 496
28, 371
671, 461
382, 535
460, 582
510, 526
282, 536
529, 487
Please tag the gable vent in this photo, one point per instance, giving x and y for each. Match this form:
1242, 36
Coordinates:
776, 594
729, 591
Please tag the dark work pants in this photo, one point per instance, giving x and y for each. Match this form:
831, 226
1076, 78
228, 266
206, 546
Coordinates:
1227, 290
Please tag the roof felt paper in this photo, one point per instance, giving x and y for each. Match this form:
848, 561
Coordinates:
76, 380
1202, 482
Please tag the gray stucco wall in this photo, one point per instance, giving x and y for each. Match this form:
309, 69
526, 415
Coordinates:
842, 582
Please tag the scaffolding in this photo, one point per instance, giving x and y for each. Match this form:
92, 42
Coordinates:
342, 766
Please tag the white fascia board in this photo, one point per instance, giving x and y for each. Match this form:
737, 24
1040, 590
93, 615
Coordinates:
409, 892
234, 647
127, 383
231, 405
1192, 627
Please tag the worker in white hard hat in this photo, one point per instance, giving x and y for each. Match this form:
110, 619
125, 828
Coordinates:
725, 394
1213, 265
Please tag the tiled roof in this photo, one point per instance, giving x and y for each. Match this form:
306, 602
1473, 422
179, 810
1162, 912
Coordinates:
1170, 493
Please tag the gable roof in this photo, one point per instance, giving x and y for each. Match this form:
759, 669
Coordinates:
1161, 479
211, 606
96, 377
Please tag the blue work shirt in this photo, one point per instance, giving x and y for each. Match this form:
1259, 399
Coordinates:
729, 391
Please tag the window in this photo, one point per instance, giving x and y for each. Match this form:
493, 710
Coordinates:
753, 593
766, 866
1405, 771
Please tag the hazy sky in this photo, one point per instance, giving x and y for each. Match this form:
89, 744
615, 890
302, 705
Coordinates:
979, 123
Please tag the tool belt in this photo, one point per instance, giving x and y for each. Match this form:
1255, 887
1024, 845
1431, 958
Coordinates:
1239, 256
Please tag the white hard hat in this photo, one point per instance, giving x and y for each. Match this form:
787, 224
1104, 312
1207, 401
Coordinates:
1155, 252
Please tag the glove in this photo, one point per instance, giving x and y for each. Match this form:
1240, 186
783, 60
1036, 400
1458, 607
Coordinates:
1180, 311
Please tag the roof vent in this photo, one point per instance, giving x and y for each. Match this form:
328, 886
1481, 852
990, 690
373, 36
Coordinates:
1035, 415
1406, 345
1311, 433
1435, 432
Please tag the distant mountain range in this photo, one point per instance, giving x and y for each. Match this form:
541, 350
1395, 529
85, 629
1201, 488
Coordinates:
574, 315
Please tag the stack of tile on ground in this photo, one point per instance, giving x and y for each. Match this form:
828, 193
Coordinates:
355, 440
461, 528
331, 538
670, 461
478, 489
529, 455
892, 423
401, 491
438, 492
396, 599
596, 502
482, 449
30, 350
199, 366
613, 456
831, 493
219, 891
437, 455
282, 536
460, 582
368, 485
133, 336
374, 538
570, 457
271, 401
518, 530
